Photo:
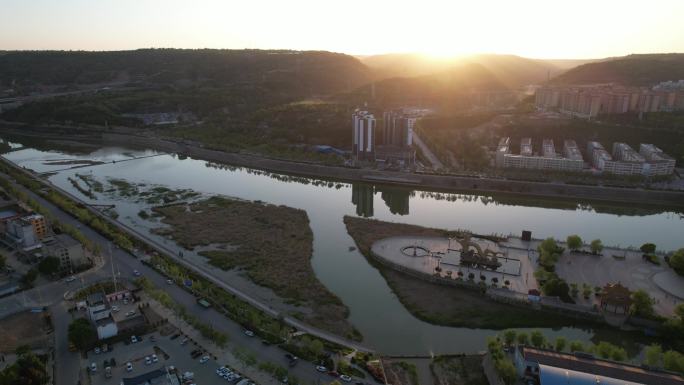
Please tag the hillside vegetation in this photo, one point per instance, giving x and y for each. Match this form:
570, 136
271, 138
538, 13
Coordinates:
633, 70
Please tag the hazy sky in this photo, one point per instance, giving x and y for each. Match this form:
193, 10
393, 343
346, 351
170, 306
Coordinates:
542, 29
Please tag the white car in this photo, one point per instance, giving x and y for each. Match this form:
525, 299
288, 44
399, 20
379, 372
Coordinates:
169, 281
93, 367
204, 359
70, 279
97, 351
249, 333
136, 273
115, 309
129, 367
321, 369
130, 313
345, 378
155, 358
148, 360
134, 339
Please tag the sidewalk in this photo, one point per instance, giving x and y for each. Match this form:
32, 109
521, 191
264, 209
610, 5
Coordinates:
223, 355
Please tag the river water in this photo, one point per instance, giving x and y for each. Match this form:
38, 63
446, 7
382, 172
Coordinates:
385, 324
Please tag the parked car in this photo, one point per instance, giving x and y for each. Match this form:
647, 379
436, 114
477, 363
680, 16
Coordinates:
321, 369
130, 313
115, 309
249, 333
345, 378
155, 358
129, 367
134, 339
136, 273
93, 367
169, 281
204, 359
333, 373
148, 360
97, 351
70, 279
184, 341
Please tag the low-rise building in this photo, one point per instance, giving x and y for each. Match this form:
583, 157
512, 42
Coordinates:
549, 160
69, 251
549, 367
657, 162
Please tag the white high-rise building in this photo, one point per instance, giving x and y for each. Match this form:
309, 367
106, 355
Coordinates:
363, 126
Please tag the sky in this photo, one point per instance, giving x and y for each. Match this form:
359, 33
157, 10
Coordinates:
532, 28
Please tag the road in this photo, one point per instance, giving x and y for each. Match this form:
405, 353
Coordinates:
436, 163
51, 295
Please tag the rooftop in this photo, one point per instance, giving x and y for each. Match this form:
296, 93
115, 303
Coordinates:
599, 367
155, 377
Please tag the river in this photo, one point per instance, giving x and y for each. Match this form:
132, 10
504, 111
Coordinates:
385, 324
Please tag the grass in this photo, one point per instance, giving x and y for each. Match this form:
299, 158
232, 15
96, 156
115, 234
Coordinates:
272, 244
458, 370
400, 372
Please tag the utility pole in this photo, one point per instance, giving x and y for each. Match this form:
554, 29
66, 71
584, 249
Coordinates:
111, 262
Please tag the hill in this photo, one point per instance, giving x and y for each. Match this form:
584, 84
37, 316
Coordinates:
632, 70
447, 89
513, 71
299, 72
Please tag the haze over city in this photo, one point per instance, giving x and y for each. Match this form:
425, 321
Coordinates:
538, 29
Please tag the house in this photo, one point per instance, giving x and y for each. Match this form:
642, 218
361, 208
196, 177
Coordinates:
549, 367
616, 298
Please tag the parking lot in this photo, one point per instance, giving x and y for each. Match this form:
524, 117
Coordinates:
169, 351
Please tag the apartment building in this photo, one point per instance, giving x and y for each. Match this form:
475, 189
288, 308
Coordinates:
363, 128
397, 129
502, 150
549, 160
593, 100
657, 162
69, 251
649, 161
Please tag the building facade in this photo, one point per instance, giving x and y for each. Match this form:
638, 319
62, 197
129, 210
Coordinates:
363, 128
549, 160
69, 251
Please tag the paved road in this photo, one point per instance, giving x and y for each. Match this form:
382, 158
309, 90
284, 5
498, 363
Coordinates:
436, 163
51, 295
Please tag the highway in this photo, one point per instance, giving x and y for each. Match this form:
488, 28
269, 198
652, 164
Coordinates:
51, 295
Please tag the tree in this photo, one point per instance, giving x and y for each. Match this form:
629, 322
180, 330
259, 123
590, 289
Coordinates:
509, 336
556, 287
28, 369
537, 338
648, 248
522, 338
316, 347
29, 278
574, 242
679, 311
49, 265
677, 261
3, 261
596, 246
673, 360
81, 333
654, 355
642, 304
576, 346
506, 371
560, 343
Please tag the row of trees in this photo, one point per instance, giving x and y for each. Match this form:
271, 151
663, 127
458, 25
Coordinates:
575, 243
29, 369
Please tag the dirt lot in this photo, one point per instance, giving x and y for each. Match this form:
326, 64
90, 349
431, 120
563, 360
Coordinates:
22, 329
271, 244
458, 370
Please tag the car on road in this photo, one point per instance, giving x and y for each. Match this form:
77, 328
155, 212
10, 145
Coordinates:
97, 351
321, 369
136, 273
155, 358
204, 359
93, 367
169, 281
129, 367
249, 333
345, 378
70, 279
333, 373
184, 341
134, 339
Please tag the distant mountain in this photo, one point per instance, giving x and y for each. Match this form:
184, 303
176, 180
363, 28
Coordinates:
636, 70
513, 71
446, 89
299, 72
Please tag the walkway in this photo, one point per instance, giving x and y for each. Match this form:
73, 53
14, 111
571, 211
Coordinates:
436, 163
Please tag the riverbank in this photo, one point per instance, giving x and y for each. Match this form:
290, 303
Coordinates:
271, 244
447, 183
